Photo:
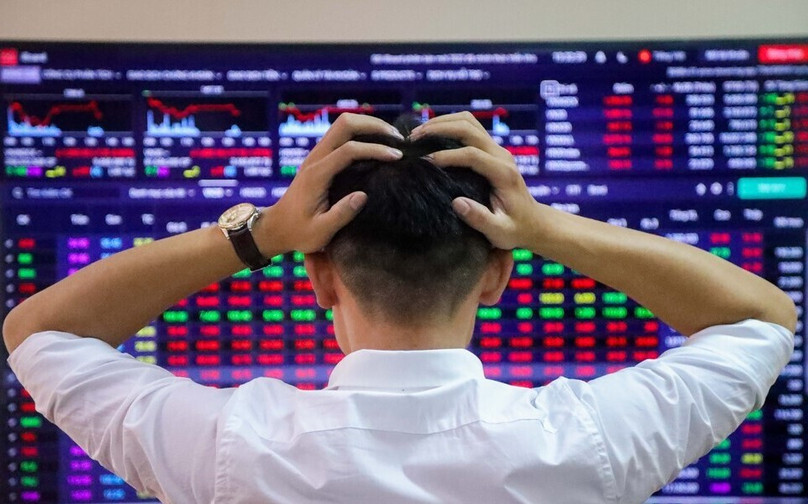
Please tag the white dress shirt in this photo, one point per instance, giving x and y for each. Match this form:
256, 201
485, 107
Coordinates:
404, 426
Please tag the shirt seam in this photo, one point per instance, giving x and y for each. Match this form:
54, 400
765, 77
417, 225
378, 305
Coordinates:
223, 478
605, 468
409, 433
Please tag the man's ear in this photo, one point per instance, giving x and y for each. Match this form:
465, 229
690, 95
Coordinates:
496, 276
321, 273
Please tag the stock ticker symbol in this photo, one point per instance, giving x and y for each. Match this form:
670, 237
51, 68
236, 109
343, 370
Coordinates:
8, 57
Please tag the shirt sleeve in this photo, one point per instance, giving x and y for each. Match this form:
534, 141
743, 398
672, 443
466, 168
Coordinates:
663, 414
156, 431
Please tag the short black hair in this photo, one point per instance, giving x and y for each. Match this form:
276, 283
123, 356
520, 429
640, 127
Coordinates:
407, 257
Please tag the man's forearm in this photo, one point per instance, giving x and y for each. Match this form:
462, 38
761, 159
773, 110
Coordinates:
115, 297
687, 288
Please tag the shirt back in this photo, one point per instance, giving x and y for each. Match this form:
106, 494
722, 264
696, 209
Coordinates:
469, 440
405, 426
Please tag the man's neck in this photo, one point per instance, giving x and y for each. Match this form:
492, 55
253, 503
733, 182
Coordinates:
358, 331
415, 338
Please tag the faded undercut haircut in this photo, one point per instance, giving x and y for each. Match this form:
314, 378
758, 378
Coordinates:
407, 257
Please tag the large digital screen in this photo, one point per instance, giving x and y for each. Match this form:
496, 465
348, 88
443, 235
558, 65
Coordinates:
111, 146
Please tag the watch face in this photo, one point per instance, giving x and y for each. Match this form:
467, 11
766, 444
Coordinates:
237, 216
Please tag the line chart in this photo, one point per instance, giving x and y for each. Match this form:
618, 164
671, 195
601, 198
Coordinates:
52, 119
316, 122
182, 117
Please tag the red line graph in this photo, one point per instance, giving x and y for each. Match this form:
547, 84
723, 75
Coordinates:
303, 117
192, 109
90, 107
488, 114
479, 114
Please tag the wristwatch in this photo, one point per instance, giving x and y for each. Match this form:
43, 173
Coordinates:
236, 223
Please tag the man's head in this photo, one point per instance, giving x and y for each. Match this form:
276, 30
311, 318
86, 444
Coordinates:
407, 258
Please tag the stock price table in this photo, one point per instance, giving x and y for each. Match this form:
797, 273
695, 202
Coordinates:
106, 149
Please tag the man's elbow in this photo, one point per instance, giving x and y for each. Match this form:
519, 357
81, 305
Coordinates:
792, 316
782, 311
16, 328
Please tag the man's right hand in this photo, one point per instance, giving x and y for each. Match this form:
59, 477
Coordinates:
513, 215
687, 288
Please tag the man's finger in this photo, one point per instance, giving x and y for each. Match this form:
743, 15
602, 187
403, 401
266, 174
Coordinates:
341, 213
345, 128
461, 131
497, 171
459, 116
351, 152
476, 215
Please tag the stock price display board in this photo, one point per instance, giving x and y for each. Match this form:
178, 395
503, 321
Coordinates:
108, 147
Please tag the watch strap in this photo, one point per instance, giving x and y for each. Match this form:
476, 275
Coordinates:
246, 249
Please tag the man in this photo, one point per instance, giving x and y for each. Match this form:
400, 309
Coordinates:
408, 415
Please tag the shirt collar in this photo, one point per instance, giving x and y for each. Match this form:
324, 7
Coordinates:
405, 369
